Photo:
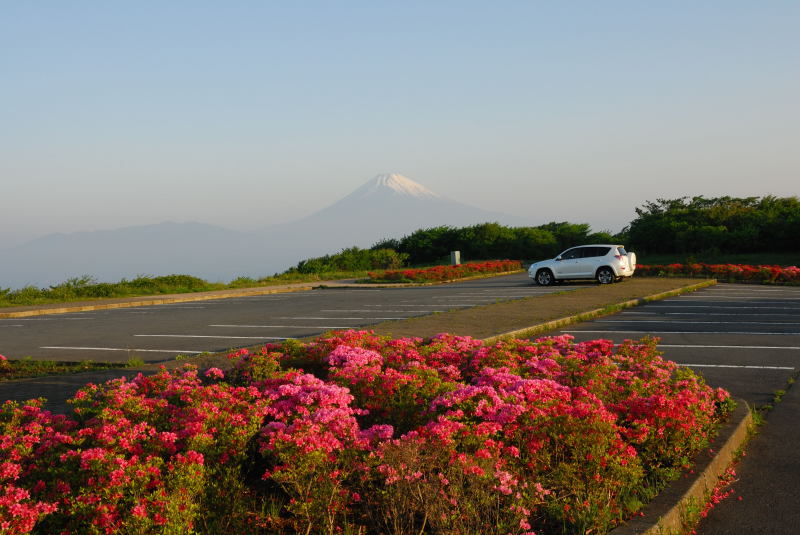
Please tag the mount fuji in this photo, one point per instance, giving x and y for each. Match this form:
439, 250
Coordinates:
387, 206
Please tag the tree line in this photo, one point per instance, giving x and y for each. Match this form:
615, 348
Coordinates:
721, 224
666, 226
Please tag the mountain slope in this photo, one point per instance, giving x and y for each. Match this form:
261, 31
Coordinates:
387, 206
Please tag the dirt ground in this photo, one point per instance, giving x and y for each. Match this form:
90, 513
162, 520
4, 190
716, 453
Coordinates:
492, 320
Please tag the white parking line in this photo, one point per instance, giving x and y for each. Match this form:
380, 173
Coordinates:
732, 297
122, 349
712, 313
737, 366
738, 290
688, 332
53, 319
449, 304
334, 318
211, 336
703, 322
723, 308
794, 348
287, 326
368, 310
12, 326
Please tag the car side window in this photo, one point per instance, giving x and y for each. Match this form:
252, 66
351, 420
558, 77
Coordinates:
602, 251
571, 254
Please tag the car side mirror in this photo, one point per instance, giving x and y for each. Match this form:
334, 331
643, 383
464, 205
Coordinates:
558, 258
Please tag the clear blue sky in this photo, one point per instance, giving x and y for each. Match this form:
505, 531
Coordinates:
248, 113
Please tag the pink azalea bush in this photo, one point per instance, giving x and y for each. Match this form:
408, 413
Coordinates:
443, 273
357, 433
725, 272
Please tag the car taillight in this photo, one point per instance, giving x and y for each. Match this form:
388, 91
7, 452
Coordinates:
618, 256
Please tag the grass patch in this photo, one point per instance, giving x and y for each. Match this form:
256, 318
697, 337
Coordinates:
495, 319
25, 368
86, 288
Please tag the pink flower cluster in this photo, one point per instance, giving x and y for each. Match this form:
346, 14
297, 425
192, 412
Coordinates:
361, 433
727, 272
443, 273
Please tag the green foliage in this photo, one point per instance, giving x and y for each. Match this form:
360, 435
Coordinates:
492, 240
717, 225
352, 259
87, 287
27, 367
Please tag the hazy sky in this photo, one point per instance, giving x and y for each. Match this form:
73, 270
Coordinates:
248, 113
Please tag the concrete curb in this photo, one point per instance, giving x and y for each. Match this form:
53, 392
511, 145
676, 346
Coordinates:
591, 314
138, 302
673, 510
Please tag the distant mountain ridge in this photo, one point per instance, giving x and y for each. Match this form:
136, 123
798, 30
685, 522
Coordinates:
387, 206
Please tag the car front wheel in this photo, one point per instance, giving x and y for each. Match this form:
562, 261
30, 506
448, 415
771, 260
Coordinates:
544, 277
605, 275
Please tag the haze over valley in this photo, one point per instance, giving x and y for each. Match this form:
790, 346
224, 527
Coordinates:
387, 206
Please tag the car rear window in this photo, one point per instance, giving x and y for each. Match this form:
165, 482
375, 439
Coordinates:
602, 251
622, 251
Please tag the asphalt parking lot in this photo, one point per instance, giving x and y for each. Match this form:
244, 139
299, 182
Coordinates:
159, 333
743, 338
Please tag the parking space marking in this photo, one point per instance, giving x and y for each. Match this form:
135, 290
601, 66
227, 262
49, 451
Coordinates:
704, 346
54, 319
739, 290
123, 349
713, 298
736, 366
334, 318
368, 310
704, 322
12, 326
688, 332
712, 313
285, 326
449, 304
212, 336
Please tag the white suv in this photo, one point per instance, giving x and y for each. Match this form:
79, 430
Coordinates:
606, 263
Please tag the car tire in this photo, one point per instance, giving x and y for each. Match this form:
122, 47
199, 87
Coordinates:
544, 277
605, 275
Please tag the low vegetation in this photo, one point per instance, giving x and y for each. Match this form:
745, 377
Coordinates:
517, 437
444, 273
11, 369
87, 288
725, 272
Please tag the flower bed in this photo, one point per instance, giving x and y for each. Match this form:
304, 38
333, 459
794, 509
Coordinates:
725, 272
356, 433
443, 273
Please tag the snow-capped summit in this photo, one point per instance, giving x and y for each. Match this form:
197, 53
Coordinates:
393, 183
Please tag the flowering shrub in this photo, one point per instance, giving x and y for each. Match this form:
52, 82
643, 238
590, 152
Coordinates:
726, 272
443, 273
443, 435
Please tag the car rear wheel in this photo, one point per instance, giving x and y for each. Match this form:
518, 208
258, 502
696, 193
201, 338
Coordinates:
605, 275
544, 277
